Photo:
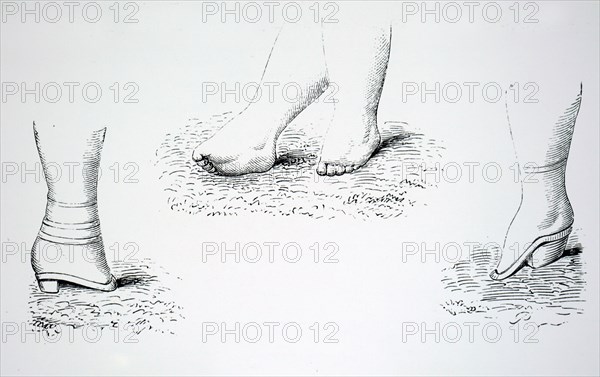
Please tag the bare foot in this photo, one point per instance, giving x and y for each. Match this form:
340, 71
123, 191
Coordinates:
358, 71
246, 144
351, 141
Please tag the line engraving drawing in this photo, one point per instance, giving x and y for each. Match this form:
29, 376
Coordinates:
71, 224
143, 302
538, 275
68, 253
280, 158
250, 147
546, 181
382, 188
314, 58
547, 296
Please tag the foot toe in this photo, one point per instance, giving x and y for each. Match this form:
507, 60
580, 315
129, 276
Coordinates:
197, 155
203, 162
206, 165
211, 168
321, 168
334, 169
330, 170
201, 159
339, 169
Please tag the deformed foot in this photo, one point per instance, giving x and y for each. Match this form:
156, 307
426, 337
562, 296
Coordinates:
244, 145
543, 219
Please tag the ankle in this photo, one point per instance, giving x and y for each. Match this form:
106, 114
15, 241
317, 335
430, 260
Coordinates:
549, 178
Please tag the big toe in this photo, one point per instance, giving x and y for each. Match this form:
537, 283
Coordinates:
321, 168
202, 159
198, 154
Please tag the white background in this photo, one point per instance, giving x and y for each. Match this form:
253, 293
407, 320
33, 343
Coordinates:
169, 53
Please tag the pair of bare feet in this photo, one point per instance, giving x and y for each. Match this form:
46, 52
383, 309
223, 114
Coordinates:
312, 59
243, 147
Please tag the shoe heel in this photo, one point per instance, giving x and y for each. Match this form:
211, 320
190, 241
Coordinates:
48, 286
548, 253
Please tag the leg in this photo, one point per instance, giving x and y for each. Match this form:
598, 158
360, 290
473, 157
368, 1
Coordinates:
357, 51
69, 245
247, 143
542, 132
539, 230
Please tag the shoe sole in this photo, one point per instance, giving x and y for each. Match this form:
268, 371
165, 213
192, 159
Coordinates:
543, 251
48, 282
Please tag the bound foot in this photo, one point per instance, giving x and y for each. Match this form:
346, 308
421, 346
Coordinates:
244, 145
540, 226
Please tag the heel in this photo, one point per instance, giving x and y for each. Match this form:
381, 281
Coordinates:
48, 286
548, 253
